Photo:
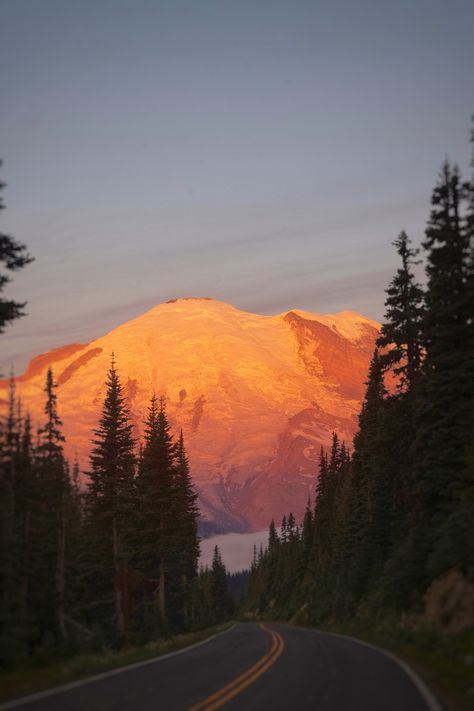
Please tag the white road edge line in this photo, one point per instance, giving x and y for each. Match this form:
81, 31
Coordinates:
97, 677
428, 697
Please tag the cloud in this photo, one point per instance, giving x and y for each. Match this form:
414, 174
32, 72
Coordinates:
236, 549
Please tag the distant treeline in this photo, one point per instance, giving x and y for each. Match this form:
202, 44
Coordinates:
397, 514
113, 564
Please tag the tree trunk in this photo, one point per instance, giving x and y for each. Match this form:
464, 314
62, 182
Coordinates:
161, 591
125, 597
185, 596
7, 572
61, 567
118, 583
162, 577
24, 584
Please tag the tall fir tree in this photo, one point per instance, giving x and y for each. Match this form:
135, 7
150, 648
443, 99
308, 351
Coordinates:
366, 479
401, 332
14, 256
445, 402
186, 522
307, 532
109, 504
273, 539
55, 485
25, 498
157, 542
10, 434
220, 597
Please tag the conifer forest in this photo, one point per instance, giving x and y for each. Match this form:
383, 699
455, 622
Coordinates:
392, 518
109, 556
392, 511
116, 562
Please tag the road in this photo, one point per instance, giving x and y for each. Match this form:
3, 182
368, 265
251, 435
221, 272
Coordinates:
252, 667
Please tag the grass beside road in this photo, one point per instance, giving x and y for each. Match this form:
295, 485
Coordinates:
18, 683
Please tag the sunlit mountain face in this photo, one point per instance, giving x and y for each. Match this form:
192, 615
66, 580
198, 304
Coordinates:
256, 397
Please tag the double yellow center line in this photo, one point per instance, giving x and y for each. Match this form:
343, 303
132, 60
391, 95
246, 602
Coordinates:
228, 692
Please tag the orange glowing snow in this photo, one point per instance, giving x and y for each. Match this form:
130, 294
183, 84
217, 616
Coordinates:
255, 395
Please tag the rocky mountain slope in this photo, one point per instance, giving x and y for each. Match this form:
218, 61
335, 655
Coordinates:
255, 395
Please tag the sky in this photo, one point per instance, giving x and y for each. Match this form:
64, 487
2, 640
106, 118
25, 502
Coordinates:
261, 152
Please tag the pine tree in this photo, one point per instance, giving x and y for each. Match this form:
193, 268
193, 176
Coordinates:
14, 256
25, 498
74, 558
109, 502
291, 526
469, 226
273, 539
272, 558
317, 546
51, 446
55, 484
401, 332
466, 503
445, 400
9, 569
253, 565
186, 518
157, 540
367, 478
307, 533
321, 482
325, 501
220, 598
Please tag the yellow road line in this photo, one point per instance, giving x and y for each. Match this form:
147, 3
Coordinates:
237, 685
250, 680
203, 704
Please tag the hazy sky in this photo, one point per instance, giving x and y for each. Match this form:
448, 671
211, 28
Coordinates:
262, 152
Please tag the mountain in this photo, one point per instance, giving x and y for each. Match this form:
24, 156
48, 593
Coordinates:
255, 395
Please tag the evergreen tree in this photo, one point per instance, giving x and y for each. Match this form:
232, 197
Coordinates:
273, 539
109, 503
367, 488
273, 557
321, 482
254, 563
307, 532
14, 256
220, 598
401, 332
157, 539
55, 485
25, 505
445, 400
74, 557
186, 525
325, 500
51, 446
9, 613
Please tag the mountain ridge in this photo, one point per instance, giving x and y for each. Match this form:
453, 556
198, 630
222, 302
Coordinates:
256, 395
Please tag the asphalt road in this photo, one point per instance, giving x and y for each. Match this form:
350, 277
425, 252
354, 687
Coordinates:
252, 667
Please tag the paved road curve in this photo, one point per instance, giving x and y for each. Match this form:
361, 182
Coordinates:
251, 667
